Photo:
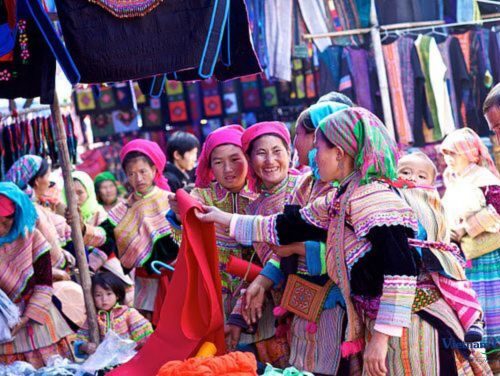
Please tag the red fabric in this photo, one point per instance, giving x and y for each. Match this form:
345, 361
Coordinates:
241, 268
154, 152
7, 207
166, 276
192, 311
230, 134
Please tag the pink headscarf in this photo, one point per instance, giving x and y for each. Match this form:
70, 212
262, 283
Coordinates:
7, 207
153, 151
230, 134
274, 128
466, 142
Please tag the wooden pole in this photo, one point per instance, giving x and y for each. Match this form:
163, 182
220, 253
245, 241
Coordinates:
381, 73
76, 232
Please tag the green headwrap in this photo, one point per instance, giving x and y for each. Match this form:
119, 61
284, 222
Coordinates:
364, 137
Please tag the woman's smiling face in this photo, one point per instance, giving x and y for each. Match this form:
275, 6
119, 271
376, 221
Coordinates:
270, 159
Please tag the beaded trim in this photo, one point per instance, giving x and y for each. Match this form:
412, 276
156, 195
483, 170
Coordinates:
127, 8
6, 75
23, 41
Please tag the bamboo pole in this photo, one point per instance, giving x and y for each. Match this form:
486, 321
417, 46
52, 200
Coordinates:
381, 73
76, 232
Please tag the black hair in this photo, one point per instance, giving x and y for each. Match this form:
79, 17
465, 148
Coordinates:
493, 99
109, 281
182, 142
44, 167
334, 96
135, 155
305, 121
250, 147
330, 144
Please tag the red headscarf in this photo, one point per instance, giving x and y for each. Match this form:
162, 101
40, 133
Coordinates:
274, 128
230, 134
153, 151
7, 207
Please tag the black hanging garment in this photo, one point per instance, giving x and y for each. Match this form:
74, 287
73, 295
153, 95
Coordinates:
31, 71
112, 40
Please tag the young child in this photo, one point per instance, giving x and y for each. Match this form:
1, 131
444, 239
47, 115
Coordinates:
109, 292
420, 173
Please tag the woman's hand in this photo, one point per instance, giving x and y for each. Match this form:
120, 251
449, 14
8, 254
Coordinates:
88, 348
289, 249
21, 324
174, 206
60, 275
458, 233
253, 299
69, 219
375, 355
233, 334
213, 214
70, 259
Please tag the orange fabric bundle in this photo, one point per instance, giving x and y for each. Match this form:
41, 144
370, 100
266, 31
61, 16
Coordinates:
232, 364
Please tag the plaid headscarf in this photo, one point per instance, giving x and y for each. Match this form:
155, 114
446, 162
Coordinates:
363, 137
25, 216
466, 142
23, 170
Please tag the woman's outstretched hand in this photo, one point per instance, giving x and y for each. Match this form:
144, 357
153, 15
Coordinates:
212, 214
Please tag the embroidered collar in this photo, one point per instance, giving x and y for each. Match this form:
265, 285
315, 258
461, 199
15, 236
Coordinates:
276, 189
222, 193
139, 196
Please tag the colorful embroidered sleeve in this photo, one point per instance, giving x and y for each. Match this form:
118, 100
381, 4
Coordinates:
316, 257
399, 275
102, 236
139, 327
95, 236
97, 259
273, 272
317, 213
37, 308
236, 316
374, 205
486, 220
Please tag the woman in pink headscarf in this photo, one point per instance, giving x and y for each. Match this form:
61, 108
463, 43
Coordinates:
267, 146
472, 203
136, 229
222, 180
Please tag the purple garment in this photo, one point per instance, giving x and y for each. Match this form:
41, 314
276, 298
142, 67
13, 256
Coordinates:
358, 66
405, 46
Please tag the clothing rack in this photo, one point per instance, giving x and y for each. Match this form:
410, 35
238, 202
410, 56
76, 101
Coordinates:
407, 26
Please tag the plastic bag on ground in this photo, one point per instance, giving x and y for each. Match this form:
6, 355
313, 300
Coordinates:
9, 317
17, 368
112, 351
290, 371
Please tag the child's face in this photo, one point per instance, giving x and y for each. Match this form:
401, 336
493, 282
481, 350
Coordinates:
104, 299
457, 162
416, 170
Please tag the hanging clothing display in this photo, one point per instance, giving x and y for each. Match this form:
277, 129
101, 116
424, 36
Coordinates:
457, 76
394, 77
28, 67
162, 37
278, 27
480, 81
399, 11
33, 134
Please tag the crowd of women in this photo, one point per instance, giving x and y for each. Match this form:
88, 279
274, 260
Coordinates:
365, 269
